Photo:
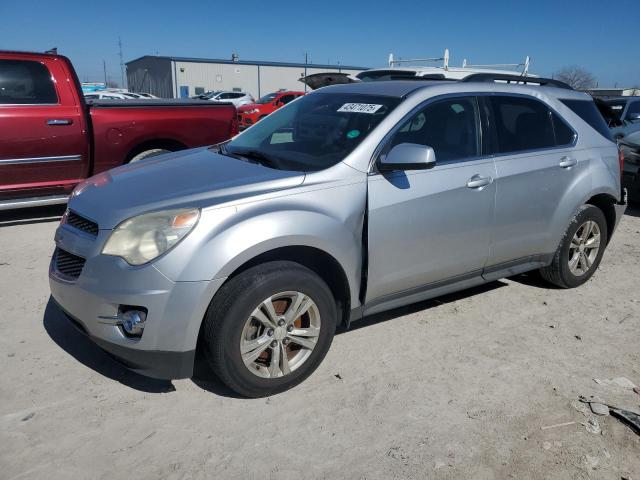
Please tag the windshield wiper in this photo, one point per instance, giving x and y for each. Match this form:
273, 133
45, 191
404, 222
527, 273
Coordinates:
257, 156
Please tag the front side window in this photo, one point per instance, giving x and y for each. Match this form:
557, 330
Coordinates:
521, 124
313, 133
634, 108
449, 126
285, 99
25, 82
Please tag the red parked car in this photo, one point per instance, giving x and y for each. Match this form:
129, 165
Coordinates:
252, 113
51, 140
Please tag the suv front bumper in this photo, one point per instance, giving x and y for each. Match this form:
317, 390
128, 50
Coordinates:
95, 299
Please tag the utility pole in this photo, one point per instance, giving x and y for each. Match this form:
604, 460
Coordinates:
306, 60
121, 63
104, 66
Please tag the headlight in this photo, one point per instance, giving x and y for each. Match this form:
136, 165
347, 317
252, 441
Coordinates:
255, 110
141, 239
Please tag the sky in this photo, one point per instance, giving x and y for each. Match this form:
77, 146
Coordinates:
601, 37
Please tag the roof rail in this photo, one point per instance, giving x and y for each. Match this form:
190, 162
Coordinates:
492, 77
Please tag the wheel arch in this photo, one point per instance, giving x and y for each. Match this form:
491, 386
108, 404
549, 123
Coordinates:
605, 202
164, 143
315, 259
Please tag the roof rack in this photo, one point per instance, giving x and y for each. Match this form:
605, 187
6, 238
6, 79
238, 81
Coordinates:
525, 65
492, 77
444, 59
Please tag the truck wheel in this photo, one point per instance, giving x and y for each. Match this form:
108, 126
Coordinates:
268, 328
580, 250
148, 153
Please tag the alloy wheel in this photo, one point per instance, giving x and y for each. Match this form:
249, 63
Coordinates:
584, 248
280, 334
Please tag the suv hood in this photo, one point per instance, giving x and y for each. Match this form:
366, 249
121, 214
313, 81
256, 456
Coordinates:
192, 178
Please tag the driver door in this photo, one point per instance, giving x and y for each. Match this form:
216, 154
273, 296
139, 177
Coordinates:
431, 228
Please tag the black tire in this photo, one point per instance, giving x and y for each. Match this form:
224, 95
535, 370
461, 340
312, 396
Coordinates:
559, 273
232, 306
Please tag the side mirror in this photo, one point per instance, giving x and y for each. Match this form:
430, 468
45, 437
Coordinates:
408, 156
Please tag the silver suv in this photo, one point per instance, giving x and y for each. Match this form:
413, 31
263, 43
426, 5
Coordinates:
351, 200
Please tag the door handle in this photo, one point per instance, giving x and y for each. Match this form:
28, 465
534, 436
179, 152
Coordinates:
566, 162
478, 182
59, 121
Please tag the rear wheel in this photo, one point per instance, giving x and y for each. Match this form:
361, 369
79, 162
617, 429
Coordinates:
580, 250
268, 328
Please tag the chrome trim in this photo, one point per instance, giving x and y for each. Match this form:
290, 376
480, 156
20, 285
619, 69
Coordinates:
33, 202
20, 161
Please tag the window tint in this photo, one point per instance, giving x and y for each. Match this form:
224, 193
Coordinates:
286, 99
25, 82
634, 107
450, 127
521, 124
588, 111
564, 134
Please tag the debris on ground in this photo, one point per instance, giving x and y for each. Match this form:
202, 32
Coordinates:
631, 419
592, 426
557, 425
618, 381
599, 408
28, 417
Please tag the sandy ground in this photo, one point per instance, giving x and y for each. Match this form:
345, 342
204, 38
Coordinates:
455, 388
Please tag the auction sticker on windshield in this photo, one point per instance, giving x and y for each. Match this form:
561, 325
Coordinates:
360, 108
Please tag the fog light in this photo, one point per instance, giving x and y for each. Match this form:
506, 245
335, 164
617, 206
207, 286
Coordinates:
133, 322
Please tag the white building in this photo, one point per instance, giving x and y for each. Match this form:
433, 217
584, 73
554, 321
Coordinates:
181, 77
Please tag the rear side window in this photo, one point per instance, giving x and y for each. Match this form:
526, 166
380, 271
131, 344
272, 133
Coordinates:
25, 82
521, 124
564, 134
588, 112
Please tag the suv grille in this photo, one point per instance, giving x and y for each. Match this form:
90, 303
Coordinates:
81, 223
68, 264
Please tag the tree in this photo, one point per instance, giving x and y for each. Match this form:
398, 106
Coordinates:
576, 77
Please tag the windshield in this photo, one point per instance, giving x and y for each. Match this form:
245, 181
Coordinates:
617, 106
314, 132
210, 94
267, 98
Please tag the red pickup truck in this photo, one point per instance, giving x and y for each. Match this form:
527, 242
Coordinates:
51, 139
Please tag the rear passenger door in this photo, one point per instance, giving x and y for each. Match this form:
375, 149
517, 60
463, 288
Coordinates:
428, 228
535, 165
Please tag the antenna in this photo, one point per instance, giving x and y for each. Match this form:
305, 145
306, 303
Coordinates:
121, 63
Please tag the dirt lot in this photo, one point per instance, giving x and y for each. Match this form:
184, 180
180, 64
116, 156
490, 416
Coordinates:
455, 388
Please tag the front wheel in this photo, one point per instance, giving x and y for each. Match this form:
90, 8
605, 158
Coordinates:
269, 328
580, 250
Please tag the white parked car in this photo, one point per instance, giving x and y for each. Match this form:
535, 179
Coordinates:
107, 96
237, 98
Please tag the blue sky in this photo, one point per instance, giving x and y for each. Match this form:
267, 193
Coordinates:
601, 37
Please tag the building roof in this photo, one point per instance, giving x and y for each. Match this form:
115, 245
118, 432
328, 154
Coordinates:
250, 62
